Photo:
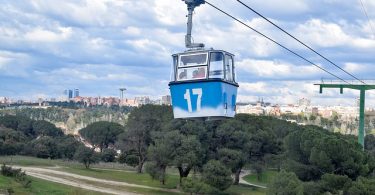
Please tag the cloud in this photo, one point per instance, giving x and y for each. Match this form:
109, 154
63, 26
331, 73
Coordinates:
275, 69
101, 45
324, 34
42, 35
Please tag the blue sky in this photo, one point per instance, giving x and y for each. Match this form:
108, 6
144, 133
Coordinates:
99, 46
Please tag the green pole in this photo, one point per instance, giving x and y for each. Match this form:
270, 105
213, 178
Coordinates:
361, 130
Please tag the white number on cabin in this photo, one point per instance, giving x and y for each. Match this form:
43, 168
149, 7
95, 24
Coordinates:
187, 97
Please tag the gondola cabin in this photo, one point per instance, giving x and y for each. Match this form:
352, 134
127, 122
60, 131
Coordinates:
203, 84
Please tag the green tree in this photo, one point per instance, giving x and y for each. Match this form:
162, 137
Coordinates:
196, 186
313, 151
108, 155
101, 134
44, 128
233, 159
217, 175
67, 146
141, 123
86, 156
163, 152
335, 184
362, 186
285, 183
188, 154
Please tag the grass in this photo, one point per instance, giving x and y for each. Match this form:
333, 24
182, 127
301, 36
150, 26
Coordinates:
40, 187
39, 162
110, 173
265, 177
125, 176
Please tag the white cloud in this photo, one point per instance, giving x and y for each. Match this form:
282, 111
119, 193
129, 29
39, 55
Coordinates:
169, 12
324, 34
42, 35
275, 69
355, 67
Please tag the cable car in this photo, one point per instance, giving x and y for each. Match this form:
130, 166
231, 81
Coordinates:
203, 83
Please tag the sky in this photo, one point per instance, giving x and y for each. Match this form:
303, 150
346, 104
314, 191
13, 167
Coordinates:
99, 46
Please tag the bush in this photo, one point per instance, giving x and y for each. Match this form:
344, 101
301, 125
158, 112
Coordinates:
108, 155
131, 160
196, 186
17, 174
285, 183
217, 175
86, 156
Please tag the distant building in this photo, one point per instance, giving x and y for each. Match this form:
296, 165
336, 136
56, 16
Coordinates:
304, 102
166, 100
143, 100
76, 92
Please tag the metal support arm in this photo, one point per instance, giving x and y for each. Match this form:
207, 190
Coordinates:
192, 4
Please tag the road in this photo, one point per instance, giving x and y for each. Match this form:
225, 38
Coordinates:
242, 181
84, 182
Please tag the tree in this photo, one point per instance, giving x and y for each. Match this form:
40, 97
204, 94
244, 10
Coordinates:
101, 134
141, 122
334, 184
285, 183
313, 151
131, 160
44, 128
233, 138
108, 155
163, 151
86, 156
11, 141
217, 175
188, 154
67, 146
45, 147
234, 160
196, 186
362, 186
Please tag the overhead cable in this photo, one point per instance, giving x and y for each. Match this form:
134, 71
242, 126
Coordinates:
325, 58
368, 18
277, 43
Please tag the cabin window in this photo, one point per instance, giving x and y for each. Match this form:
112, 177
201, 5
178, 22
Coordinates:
193, 73
193, 60
173, 70
216, 65
229, 68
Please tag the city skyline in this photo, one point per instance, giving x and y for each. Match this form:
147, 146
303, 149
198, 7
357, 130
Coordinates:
101, 46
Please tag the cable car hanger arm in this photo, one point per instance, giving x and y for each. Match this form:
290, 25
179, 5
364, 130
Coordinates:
191, 5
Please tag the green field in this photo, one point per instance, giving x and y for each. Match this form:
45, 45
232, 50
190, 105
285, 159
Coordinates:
125, 176
101, 172
40, 187
265, 178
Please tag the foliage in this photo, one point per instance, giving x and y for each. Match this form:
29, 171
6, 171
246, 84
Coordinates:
101, 134
313, 152
141, 122
362, 186
217, 175
44, 128
131, 160
334, 183
108, 155
17, 174
86, 156
196, 186
285, 183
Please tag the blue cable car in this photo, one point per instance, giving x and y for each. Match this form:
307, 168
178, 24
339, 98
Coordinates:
203, 83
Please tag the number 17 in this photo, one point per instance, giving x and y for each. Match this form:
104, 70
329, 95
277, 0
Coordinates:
187, 97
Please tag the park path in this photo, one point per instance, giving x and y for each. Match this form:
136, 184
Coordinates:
76, 180
242, 181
